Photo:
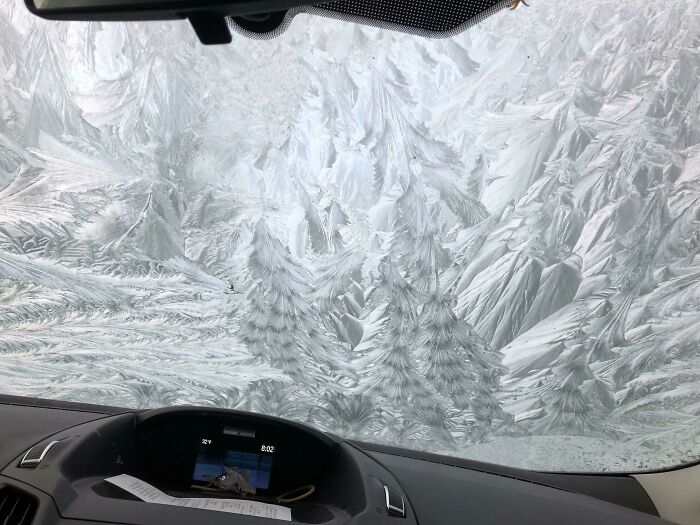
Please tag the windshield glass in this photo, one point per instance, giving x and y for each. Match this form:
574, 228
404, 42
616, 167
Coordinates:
485, 246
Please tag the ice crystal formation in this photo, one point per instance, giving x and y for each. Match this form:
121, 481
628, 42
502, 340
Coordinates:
484, 246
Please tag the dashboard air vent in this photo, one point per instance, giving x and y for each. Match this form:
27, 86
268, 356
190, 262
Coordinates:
16, 507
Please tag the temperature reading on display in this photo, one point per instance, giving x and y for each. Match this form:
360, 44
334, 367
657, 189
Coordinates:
206, 441
270, 449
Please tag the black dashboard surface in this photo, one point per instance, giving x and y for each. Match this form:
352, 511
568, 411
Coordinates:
97, 442
619, 489
495, 500
22, 424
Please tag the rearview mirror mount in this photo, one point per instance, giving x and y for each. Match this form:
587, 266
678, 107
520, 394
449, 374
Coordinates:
213, 20
210, 19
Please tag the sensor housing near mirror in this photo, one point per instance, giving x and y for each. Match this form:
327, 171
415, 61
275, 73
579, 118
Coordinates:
214, 19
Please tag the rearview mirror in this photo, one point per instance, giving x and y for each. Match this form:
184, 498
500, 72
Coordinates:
213, 19
153, 9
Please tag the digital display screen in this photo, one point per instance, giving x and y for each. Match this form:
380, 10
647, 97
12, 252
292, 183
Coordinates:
233, 463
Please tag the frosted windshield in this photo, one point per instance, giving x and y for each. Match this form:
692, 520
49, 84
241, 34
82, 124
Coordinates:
485, 246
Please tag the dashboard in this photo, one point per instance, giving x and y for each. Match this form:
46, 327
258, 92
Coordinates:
227, 454
70, 463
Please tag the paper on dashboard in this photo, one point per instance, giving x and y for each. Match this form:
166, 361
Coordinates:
150, 494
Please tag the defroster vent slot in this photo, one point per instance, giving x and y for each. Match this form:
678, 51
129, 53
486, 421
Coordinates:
16, 506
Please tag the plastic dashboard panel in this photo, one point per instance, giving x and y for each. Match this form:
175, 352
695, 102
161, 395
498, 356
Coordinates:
453, 494
169, 440
350, 481
349, 484
620, 489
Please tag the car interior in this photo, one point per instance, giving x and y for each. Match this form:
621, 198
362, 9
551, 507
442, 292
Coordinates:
57, 456
68, 462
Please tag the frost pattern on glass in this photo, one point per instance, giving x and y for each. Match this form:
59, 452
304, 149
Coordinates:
486, 246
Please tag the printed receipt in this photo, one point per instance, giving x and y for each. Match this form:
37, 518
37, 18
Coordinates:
150, 494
